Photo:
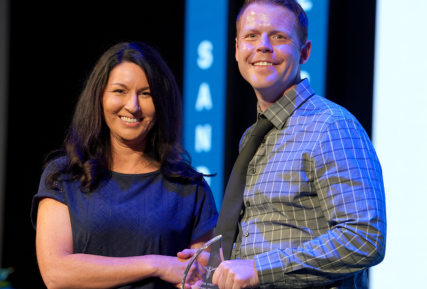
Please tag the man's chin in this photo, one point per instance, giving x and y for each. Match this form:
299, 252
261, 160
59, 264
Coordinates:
262, 84
265, 86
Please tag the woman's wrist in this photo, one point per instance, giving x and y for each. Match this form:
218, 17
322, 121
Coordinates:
156, 265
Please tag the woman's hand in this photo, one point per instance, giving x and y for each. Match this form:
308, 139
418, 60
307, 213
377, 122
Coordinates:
186, 254
171, 270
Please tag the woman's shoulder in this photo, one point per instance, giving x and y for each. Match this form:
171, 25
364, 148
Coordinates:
58, 161
185, 187
55, 164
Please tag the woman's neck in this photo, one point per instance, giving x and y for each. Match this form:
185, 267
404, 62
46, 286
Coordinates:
131, 159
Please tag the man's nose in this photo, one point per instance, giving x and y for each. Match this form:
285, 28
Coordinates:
132, 104
264, 44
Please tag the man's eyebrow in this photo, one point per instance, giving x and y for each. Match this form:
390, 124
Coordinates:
286, 32
250, 29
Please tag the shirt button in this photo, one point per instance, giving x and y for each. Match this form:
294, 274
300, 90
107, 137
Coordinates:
246, 234
253, 171
248, 204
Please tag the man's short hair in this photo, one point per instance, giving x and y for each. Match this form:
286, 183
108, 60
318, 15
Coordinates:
291, 5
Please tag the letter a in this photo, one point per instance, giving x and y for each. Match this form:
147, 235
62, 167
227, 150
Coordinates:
204, 100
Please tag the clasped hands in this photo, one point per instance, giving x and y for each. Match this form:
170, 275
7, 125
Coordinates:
232, 274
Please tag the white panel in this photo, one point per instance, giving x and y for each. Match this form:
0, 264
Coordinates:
400, 138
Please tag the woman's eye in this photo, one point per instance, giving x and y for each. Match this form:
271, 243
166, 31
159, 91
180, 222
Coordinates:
119, 91
145, 93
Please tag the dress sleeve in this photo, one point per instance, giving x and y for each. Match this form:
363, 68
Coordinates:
205, 212
46, 192
348, 180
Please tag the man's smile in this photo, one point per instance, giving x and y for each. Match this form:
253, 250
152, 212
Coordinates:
264, 63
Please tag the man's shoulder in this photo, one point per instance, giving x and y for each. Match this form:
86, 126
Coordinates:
319, 108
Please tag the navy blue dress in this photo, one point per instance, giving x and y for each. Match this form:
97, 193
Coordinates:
133, 215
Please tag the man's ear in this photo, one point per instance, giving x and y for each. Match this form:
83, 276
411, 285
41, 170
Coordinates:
305, 52
236, 54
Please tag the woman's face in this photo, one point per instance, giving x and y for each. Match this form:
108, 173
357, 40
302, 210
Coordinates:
128, 107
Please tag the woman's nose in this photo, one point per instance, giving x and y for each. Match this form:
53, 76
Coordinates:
132, 104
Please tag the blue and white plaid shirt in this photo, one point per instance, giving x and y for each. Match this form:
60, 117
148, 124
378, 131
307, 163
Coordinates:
314, 199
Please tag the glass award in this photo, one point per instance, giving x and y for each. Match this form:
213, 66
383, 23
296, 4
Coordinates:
203, 280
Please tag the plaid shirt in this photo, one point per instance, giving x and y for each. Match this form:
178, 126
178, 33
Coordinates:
314, 206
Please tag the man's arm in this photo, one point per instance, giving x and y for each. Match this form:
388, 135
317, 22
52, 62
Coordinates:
348, 180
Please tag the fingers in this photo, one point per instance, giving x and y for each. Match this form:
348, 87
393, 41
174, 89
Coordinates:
187, 253
203, 258
236, 274
195, 274
217, 275
186, 286
197, 285
222, 277
201, 268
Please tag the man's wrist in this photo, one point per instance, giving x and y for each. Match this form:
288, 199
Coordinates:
269, 268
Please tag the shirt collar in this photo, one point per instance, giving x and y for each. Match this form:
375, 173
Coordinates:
279, 111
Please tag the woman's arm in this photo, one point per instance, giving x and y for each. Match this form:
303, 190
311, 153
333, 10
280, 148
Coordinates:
60, 268
202, 240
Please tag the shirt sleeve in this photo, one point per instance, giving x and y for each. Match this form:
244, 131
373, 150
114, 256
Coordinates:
205, 213
348, 180
46, 192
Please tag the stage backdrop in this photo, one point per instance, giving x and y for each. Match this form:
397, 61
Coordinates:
205, 88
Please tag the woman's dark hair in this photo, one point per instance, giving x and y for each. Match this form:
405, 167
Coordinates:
87, 144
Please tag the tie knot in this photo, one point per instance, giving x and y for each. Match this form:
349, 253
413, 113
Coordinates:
262, 127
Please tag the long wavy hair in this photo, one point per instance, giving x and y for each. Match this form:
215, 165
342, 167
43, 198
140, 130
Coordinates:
88, 144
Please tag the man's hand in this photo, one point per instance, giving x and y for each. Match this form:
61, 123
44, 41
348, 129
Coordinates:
236, 274
232, 274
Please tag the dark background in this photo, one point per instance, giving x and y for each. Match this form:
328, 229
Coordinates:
54, 46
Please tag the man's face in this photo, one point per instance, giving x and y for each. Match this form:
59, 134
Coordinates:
268, 49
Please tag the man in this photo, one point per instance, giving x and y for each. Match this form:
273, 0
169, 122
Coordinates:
314, 205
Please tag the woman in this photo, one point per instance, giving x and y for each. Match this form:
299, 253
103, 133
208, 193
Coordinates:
124, 199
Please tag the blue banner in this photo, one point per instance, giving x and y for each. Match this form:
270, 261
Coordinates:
315, 68
205, 88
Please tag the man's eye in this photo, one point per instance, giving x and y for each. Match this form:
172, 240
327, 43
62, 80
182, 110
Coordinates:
251, 35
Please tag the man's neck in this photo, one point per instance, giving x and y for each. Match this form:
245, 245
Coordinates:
267, 98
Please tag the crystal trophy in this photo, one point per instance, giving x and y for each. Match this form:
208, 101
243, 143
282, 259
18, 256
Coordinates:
203, 280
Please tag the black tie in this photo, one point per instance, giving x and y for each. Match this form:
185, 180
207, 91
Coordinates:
233, 199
